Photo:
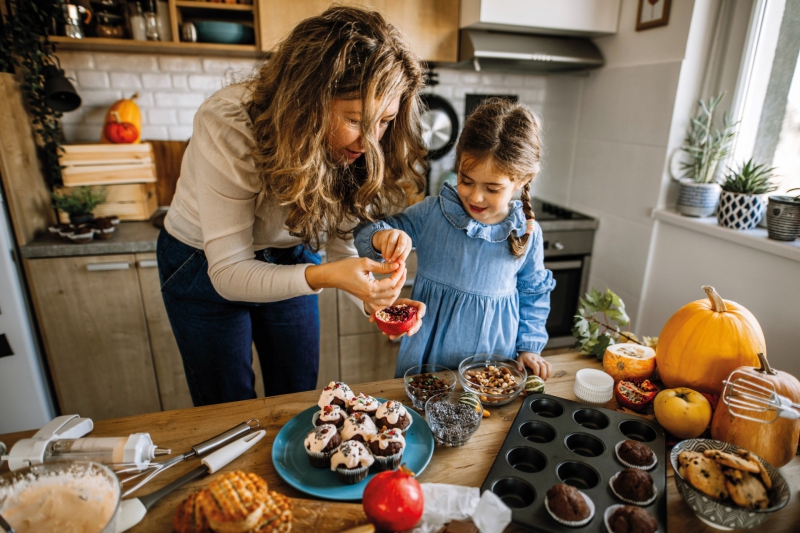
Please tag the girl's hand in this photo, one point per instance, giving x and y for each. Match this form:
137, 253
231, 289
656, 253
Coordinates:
413, 303
353, 275
394, 244
536, 363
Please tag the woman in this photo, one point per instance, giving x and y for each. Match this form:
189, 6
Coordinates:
326, 136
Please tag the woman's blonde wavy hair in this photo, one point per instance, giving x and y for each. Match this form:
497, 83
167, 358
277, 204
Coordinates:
347, 53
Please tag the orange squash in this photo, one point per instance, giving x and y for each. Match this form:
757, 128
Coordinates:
629, 360
704, 341
777, 442
123, 111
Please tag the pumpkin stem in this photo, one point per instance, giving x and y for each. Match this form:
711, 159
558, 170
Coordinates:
765, 368
717, 303
115, 114
135, 96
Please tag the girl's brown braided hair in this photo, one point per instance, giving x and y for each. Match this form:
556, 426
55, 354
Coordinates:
509, 133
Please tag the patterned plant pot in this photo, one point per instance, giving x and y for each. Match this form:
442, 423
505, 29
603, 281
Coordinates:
783, 218
698, 199
740, 211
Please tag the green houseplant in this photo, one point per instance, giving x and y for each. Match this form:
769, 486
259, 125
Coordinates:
783, 217
742, 203
80, 203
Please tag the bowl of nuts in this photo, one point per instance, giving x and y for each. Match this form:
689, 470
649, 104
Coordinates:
424, 381
495, 379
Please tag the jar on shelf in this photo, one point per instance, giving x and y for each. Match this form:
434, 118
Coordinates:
135, 16
109, 25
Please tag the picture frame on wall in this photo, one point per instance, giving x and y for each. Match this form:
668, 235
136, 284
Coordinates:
652, 14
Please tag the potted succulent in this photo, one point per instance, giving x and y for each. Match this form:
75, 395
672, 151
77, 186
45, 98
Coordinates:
704, 147
783, 217
79, 204
743, 202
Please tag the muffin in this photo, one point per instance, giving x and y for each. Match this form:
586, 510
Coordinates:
359, 427
633, 486
351, 462
632, 519
336, 393
393, 415
568, 505
320, 444
635, 454
363, 404
330, 414
387, 447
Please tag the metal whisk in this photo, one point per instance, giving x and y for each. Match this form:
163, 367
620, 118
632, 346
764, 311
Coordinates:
754, 398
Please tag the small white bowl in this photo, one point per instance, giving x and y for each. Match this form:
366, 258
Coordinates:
593, 386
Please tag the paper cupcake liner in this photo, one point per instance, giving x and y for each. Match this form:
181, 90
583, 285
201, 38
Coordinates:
631, 465
577, 523
632, 502
320, 459
389, 462
316, 416
351, 476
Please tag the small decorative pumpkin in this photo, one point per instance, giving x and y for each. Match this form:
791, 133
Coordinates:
471, 399
119, 132
704, 341
533, 385
629, 361
126, 111
777, 442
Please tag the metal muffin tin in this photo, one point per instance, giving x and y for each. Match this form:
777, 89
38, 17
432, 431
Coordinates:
553, 440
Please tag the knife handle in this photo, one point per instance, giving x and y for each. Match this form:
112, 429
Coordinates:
223, 456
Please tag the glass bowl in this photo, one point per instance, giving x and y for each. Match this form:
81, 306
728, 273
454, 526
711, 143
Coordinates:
419, 393
452, 422
488, 394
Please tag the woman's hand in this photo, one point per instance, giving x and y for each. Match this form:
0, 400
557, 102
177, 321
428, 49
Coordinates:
394, 244
413, 303
352, 275
537, 364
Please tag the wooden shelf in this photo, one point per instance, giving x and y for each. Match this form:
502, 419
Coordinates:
97, 44
190, 4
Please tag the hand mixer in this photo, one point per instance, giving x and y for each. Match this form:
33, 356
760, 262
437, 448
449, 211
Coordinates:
754, 398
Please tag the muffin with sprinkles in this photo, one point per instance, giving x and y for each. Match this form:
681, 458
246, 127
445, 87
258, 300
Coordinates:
320, 444
358, 427
330, 414
351, 462
393, 415
336, 393
363, 404
387, 447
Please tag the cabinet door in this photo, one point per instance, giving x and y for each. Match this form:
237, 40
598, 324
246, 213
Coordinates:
431, 26
367, 357
93, 326
172, 387
328, 338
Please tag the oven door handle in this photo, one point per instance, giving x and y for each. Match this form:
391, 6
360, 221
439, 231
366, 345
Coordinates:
563, 265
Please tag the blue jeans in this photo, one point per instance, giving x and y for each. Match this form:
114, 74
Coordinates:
214, 335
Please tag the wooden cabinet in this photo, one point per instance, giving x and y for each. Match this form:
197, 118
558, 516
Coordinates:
431, 26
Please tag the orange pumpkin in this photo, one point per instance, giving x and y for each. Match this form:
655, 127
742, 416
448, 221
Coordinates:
777, 442
629, 360
704, 341
123, 111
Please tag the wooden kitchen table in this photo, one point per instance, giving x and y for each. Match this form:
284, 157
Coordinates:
465, 465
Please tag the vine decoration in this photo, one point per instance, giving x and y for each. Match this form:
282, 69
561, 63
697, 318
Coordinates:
26, 49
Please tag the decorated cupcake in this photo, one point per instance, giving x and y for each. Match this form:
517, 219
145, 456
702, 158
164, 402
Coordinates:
351, 462
336, 393
387, 447
359, 427
330, 414
363, 404
393, 415
320, 444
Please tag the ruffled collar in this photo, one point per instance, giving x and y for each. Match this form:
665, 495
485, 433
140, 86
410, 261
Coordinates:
454, 212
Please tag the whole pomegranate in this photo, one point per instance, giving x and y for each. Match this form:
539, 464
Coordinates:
393, 500
397, 319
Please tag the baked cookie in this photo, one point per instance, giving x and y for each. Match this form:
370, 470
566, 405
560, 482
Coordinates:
705, 475
684, 458
234, 502
745, 489
731, 461
277, 517
762, 472
189, 516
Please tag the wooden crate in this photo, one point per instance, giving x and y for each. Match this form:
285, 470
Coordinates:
130, 201
107, 164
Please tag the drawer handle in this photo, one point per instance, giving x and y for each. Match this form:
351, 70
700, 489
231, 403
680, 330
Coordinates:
148, 263
96, 267
562, 265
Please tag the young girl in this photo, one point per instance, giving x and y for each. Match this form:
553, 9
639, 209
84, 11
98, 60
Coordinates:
481, 272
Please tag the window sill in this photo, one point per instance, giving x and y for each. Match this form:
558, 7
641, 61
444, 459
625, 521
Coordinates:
755, 238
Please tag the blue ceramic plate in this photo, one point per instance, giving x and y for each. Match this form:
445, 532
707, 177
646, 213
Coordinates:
291, 462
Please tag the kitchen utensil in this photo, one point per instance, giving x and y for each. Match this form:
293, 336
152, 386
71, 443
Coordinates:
5, 525
482, 363
747, 395
553, 440
29, 452
291, 461
137, 449
134, 509
199, 450
222, 32
439, 126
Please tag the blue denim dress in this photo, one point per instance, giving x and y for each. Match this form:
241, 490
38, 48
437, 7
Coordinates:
480, 298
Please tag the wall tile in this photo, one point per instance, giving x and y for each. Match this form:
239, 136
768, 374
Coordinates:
126, 81
172, 99
155, 133
470, 79
199, 82
126, 62
73, 117
91, 98
180, 81
145, 99
157, 81
93, 79
95, 116
186, 116
223, 65
75, 60
162, 117
179, 64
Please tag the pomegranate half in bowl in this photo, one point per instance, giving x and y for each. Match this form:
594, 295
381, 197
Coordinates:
397, 319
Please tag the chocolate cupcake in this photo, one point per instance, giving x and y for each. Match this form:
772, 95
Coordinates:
629, 519
330, 414
569, 506
387, 447
351, 462
336, 393
359, 427
320, 444
393, 415
633, 486
635, 454
363, 404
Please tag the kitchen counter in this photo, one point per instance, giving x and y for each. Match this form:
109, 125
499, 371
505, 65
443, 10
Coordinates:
129, 238
466, 465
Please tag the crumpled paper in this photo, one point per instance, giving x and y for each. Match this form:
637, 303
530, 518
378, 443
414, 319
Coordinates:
444, 503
